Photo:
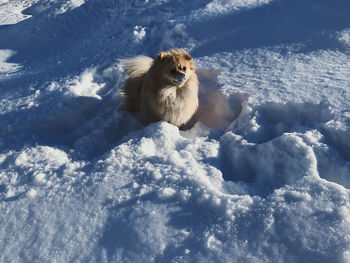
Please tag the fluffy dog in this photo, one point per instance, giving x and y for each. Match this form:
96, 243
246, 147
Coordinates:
164, 88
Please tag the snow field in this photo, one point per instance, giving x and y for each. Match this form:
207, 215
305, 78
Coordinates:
262, 177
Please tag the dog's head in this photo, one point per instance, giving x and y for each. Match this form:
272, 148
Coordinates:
176, 66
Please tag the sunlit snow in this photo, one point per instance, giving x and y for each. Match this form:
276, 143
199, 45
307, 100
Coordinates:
263, 176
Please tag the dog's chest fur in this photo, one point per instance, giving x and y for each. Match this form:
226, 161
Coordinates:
175, 104
171, 97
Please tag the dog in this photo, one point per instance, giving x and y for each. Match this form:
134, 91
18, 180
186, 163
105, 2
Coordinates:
164, 88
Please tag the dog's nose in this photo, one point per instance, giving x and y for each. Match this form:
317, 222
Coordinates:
180, 76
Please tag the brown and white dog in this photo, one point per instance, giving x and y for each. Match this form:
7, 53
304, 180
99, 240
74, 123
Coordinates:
164, 88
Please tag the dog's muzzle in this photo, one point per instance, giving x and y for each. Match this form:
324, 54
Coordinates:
180, 77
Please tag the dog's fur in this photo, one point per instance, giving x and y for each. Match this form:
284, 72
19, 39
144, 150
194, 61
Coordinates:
164, 88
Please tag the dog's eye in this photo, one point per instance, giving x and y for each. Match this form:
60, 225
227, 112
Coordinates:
184, 68
173, 71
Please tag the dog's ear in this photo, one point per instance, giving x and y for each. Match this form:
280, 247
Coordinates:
187, 56
162, 55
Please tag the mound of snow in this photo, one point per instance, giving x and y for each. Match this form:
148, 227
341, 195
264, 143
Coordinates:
267, 166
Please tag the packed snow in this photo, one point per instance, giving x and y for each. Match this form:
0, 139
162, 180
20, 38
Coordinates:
263, 176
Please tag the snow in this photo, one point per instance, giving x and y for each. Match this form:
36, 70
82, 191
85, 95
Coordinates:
11, 12
263, 176
139, 33
84, 85
7, 68
217, 7
70, 5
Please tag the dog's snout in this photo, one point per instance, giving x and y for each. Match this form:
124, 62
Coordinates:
180, 75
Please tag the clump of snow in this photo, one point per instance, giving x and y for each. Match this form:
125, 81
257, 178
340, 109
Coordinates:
337, 134
69, 5
84, 85
40, 178
42, 155
139, 33
32, 193
7, 68
344, 37
166, 193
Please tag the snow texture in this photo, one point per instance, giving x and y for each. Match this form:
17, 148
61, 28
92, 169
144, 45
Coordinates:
263, 176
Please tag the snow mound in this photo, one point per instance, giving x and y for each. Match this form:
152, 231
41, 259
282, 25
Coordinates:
274, 144
28, 170
267, 166
264, 122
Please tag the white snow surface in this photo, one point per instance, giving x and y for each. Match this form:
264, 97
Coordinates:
263, 176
